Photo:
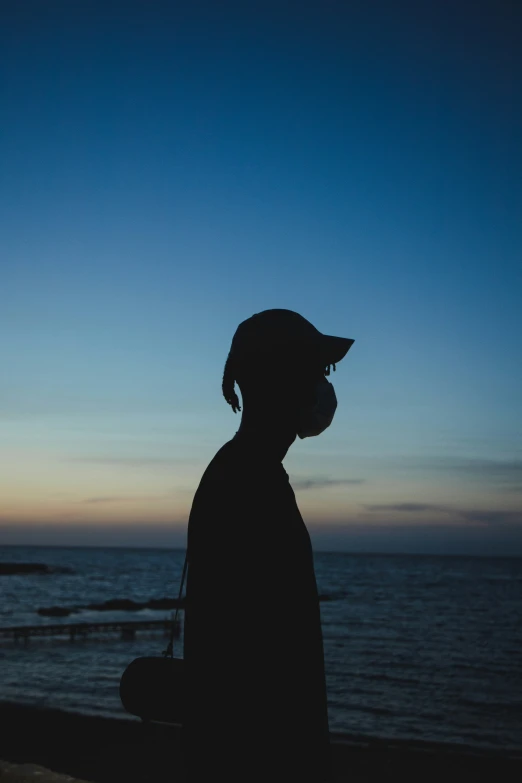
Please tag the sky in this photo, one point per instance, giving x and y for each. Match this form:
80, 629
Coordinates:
168, 169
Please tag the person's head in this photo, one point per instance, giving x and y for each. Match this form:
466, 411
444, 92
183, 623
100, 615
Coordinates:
279, 360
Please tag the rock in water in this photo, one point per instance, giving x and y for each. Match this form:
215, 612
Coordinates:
7, 569
55, 611
114, 604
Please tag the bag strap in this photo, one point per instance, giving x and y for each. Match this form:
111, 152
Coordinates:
169, 652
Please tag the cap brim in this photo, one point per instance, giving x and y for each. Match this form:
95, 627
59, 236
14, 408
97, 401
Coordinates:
335, 348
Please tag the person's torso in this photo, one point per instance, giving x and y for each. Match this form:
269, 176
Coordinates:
245, 509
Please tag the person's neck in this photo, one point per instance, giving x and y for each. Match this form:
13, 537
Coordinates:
267, 435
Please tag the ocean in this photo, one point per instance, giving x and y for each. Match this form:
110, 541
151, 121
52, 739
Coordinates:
417, 648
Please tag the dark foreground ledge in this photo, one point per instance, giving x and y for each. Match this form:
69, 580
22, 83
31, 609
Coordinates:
105, 750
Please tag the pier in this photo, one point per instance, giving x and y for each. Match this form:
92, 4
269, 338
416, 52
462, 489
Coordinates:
125, 629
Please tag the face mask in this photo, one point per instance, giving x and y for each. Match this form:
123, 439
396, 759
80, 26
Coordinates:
315, 419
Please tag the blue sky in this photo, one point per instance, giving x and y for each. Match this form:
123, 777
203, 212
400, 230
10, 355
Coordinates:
168, 170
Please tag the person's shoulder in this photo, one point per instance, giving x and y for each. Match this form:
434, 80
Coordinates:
225, 459
222, 468
234, 464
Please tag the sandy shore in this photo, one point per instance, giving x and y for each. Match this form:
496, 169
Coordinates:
32, 773
104, 750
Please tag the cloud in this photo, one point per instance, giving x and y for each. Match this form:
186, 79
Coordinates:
107, 499
503, 472
493, 517
317, 482
131, 462
408, 507
121, 499
484, 517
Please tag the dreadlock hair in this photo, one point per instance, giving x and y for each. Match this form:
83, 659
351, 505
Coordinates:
229, 380
230, 377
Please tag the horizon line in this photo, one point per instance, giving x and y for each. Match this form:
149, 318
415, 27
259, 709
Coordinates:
365, 553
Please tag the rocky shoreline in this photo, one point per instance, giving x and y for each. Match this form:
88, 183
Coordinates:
107, 750
32, 773
14, 569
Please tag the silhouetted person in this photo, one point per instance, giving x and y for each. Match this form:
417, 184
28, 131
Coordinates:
253, 645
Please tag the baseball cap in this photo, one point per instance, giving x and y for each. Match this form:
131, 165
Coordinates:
285, 332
